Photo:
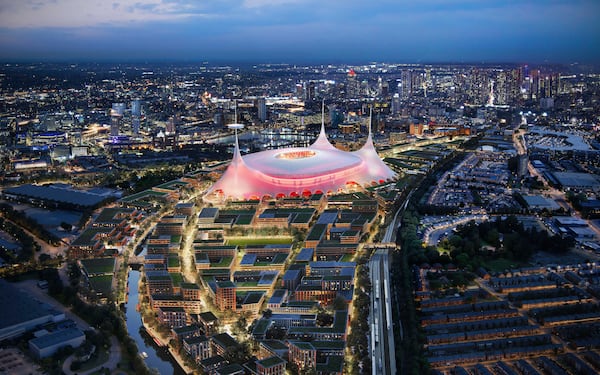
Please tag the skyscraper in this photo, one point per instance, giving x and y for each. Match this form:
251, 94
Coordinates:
309, 91
352, 85
478, 87
396, 103
262, 109
135, 125
405, 86
115, 123
119, 108
136, 112
136, 108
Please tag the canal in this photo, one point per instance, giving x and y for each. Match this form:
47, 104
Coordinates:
159, 359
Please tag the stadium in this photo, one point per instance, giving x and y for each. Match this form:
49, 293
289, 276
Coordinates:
299, 171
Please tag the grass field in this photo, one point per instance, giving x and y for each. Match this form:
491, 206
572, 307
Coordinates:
102, 284
99, 265
499, 265
224, 262
245, 241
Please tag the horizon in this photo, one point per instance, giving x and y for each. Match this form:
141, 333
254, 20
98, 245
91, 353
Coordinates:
257, 63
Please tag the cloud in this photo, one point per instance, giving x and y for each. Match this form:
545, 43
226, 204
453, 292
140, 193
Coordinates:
89, 13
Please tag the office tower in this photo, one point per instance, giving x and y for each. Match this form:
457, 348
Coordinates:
352, 85
262, 109
136, 113
522, 166
135, 125
115, 123
136, 108
405, 86
119, 108
309, 91
396, 104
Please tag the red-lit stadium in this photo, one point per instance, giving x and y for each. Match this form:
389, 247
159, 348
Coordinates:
300, 171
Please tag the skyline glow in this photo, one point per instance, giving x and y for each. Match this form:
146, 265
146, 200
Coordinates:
301, 30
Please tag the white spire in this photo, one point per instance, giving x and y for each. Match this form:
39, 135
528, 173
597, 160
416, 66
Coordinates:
237, 155
236, 152
323, 117
322, 142
370, 119
369, 142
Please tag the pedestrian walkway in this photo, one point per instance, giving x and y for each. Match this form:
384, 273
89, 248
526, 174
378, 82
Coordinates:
114, 357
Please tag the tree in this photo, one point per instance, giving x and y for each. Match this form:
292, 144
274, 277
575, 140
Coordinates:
324, 319
339, 303
66, 226
239, 353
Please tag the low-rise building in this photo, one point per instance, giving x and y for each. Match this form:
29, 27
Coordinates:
197, 347
270, 366
46, 345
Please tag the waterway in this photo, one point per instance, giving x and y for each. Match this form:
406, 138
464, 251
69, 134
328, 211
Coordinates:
159, 358
269, 139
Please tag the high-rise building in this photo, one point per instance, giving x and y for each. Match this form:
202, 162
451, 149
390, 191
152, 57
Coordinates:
396, 103
136, 108
115, 123
352, 85
135, 125
309, 91
478, 87
507, 87
522, 166
119, 108
262, 109
405, 85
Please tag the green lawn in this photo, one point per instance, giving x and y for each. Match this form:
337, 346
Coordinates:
501, 264
177, 278
102, 284
247, 283
224, 262
245, 241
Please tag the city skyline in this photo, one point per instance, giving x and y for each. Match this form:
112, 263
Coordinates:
301, 31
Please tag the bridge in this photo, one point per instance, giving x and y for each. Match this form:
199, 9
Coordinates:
136, 261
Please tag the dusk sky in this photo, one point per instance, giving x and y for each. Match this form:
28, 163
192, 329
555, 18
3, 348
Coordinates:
301, 30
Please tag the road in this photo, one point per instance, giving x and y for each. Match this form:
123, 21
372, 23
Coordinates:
114, 357
383, 351
30, 286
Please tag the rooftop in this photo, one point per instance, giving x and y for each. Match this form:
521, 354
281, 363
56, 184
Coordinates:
56, 337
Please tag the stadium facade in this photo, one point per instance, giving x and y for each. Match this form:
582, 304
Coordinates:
295, 171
